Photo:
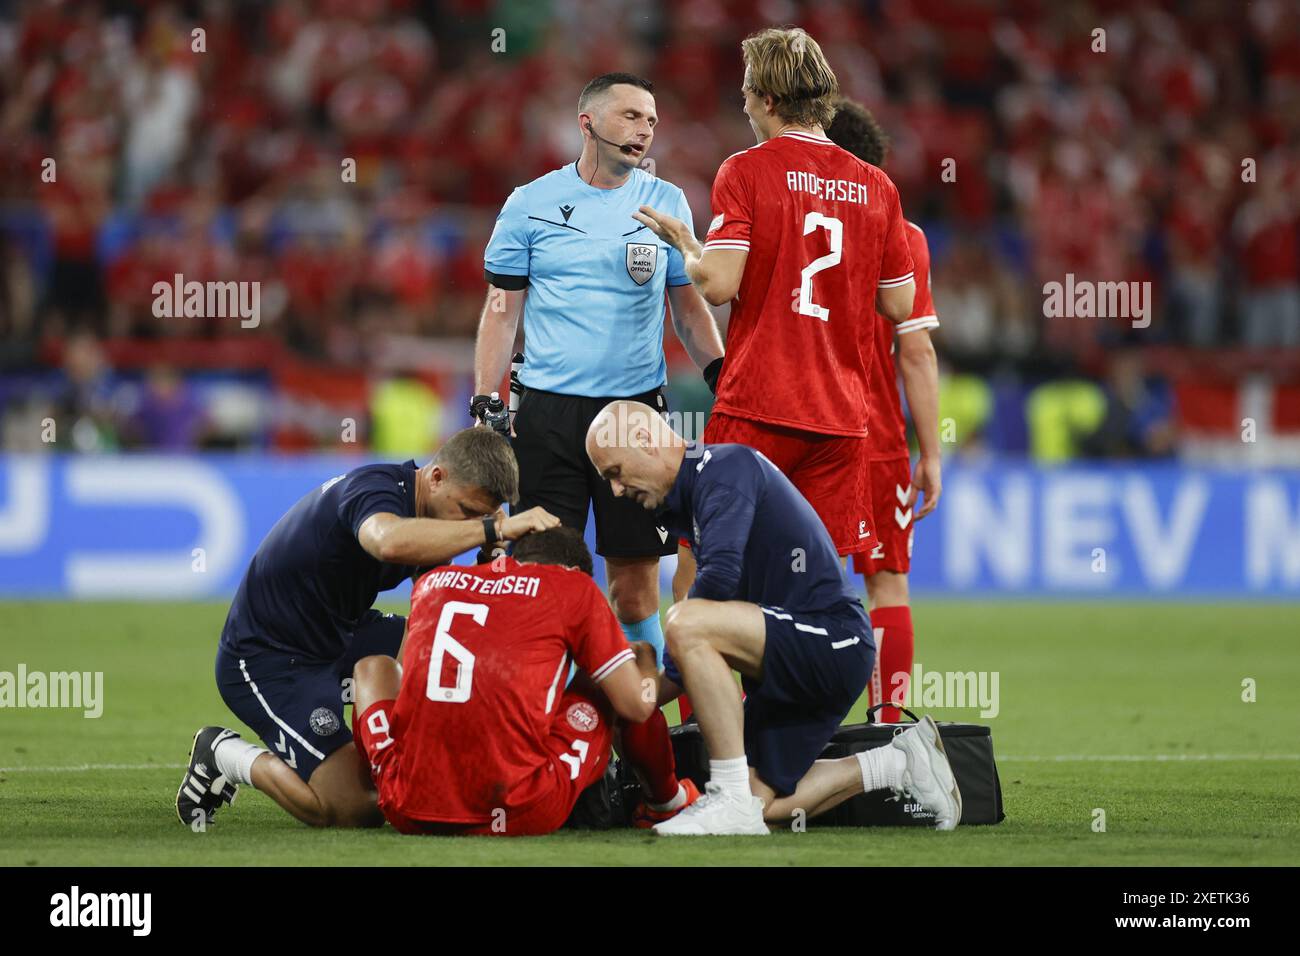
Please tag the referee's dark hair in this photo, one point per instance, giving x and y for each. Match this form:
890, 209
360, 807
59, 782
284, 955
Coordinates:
603, 82
563, 546
855, 129
481, 458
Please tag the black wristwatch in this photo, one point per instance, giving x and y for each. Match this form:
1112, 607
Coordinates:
490, 531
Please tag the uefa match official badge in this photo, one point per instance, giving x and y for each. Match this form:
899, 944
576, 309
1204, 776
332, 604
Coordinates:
642, 260
582, 717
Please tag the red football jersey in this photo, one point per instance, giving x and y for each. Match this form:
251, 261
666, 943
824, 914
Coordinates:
886, 427
823, 231
487, 653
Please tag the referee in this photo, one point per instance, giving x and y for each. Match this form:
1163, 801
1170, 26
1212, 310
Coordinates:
590, 282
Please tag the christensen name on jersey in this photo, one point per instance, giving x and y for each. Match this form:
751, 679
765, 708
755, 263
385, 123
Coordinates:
511, 584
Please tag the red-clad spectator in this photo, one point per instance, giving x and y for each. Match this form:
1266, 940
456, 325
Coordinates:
1106, 154
1267, 231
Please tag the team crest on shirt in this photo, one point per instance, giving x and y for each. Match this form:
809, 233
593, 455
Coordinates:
642, 260
582, 717
323, 722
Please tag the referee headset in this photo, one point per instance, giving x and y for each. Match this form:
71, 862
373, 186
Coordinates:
623, 147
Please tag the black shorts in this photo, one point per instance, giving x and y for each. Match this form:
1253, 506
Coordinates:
556, 474
815, 667
296, 704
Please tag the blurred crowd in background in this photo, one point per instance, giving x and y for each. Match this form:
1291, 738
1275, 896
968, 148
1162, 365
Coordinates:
1163, 149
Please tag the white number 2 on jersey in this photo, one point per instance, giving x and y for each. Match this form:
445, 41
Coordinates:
446, 645
836, 230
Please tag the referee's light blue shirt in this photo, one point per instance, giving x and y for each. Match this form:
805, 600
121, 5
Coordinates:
594, 313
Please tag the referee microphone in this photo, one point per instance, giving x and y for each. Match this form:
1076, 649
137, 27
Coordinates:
626, 148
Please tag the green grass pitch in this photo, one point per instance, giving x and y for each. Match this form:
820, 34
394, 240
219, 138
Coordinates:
1133, 709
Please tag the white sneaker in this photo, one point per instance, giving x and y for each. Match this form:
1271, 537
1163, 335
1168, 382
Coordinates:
717, 813
928, 777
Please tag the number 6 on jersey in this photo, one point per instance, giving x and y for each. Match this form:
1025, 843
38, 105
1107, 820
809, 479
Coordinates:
446, 645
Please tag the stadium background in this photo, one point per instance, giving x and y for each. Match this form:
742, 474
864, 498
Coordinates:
1119, 539
1172, 447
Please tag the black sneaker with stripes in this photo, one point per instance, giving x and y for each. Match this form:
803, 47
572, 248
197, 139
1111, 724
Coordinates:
204, 788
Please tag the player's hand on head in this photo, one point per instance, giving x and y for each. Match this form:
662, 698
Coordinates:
526, 522
927, 479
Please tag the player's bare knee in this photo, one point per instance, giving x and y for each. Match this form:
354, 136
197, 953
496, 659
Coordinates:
633, 588
674, 631
683, 627
633, 602
635, 610
673, 616
372, 668
377, 677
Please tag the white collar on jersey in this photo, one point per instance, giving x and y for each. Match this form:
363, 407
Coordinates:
808, 137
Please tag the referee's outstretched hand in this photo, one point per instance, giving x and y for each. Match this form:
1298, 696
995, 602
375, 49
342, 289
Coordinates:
514, 527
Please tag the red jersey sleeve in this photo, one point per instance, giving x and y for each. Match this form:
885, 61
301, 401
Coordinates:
733, 207
896, 266
923, 315
595, 639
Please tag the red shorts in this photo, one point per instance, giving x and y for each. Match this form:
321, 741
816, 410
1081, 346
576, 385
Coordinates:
578, 746
891, 483
826, 469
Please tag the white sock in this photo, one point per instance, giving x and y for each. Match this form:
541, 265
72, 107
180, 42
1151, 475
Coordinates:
674, 804
235, 759
732, 776
882, 768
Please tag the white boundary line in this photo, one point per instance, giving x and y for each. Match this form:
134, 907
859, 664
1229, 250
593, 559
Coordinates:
83, 767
